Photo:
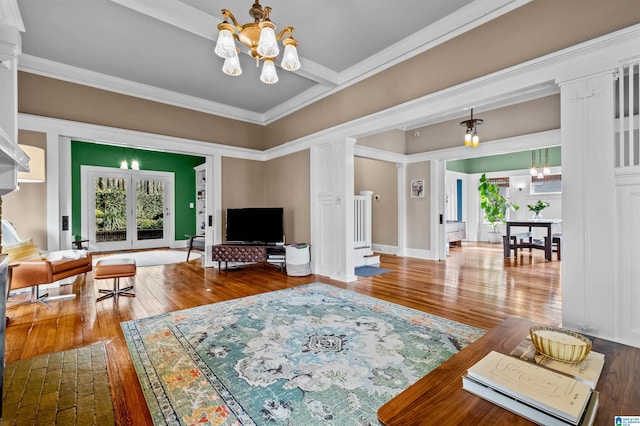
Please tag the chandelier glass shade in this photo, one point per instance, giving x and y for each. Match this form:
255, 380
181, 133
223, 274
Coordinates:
232, 66
471, 137
269, 74
261, 40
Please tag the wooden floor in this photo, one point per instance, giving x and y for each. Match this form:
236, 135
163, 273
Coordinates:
476, 286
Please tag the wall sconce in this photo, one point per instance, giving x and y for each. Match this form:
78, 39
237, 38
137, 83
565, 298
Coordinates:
520, 186
36, 173
125, 165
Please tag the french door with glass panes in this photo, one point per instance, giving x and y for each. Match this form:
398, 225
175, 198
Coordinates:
126, 209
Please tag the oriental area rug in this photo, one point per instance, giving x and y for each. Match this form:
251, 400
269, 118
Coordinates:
314, 354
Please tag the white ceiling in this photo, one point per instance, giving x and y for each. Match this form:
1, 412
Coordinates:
163, 49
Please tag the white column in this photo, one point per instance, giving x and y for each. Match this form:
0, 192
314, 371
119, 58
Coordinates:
588, 205
438, 246
11, 157
213, 233
332, 188
59, 202
402, 209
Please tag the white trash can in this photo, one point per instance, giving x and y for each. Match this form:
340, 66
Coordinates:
298, 260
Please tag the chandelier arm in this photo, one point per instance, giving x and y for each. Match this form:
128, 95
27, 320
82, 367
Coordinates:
228, 15
287, 30
266, 11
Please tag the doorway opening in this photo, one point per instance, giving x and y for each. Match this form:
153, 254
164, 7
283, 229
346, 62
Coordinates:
126, 209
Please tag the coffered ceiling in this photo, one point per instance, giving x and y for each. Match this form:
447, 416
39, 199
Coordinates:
163, 49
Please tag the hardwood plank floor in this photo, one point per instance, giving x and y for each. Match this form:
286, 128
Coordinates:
475, 285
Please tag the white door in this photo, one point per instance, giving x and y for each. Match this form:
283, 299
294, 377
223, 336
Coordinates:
628, 291
126, 209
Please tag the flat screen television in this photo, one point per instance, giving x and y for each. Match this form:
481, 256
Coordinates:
255, 225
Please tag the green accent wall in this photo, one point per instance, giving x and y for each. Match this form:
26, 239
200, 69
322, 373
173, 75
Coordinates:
92, 154
503, 162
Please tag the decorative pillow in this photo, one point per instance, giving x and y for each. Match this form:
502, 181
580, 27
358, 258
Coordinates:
22, 251
64, 254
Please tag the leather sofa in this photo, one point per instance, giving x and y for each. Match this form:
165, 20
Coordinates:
55, 268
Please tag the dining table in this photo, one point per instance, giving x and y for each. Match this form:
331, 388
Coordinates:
547, 245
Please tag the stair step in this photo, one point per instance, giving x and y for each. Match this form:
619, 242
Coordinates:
372, 259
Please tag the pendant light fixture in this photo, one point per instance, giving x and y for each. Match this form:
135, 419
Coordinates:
471, 137
537, 169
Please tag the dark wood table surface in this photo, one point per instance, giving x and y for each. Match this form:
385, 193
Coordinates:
533, 223
438, 398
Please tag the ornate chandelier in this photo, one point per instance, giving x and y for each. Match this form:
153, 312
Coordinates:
471, 137
260, 37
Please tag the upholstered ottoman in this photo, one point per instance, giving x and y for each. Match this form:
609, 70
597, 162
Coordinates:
116, 269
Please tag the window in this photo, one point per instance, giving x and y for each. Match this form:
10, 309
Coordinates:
550, 184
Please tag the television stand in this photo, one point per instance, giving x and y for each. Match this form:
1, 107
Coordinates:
226, 253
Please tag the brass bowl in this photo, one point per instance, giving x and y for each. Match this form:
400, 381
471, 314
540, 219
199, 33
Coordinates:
560, 344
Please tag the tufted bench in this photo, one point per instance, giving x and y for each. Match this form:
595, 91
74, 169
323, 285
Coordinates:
238, 253
116, 269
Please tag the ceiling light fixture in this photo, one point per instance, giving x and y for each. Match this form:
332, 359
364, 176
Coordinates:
537, 169
261, 39
471, 137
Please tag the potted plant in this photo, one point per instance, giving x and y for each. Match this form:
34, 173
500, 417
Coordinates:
537, 208
494, 205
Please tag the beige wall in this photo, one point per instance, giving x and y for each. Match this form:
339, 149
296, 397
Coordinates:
515, 120
393, 141
287, 185
419, 209
242, 185
538, 28
282, 182
49, 97
26, 209
382, 178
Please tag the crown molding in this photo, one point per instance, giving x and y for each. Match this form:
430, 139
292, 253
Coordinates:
59, 71
10, 14
132, 138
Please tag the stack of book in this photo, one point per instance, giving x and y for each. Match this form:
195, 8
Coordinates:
537, 393
275, 256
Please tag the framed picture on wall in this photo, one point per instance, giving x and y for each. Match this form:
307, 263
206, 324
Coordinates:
417, 188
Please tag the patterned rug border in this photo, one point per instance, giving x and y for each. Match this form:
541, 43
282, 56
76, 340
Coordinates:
159, 401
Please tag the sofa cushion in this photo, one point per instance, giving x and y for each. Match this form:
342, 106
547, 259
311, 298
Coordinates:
22, 251
66, 264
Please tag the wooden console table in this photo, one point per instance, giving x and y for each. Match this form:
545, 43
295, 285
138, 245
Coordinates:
247, 254
438, 398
